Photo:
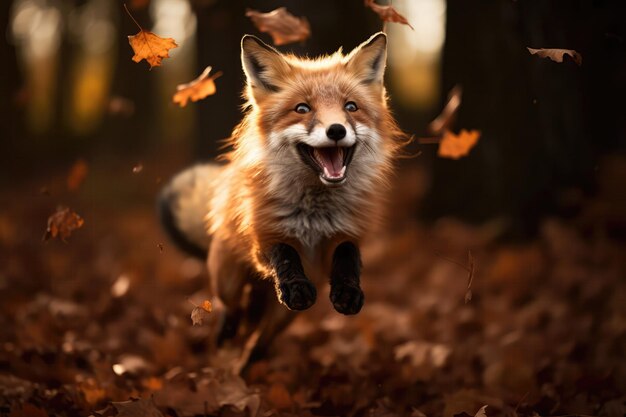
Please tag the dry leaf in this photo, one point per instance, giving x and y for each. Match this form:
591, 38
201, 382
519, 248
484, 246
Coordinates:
481, 412
121, 106
201, 87
137, 407
62, 223
470, 277
27, 410
199, 312
279, 396
387, 13
448, 114
149, 46
456, 146
282, 26
557, 55
77, 175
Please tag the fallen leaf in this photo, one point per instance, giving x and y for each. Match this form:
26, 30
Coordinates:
557, 55
282, 26
149, 46
470, 277
137, 407
387, 13
444, 121
201, 87
199, 312
481, 412
456, 146
62, 223
27, 410
77, 175
279, 396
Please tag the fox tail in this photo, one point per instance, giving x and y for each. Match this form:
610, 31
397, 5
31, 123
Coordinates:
183, 204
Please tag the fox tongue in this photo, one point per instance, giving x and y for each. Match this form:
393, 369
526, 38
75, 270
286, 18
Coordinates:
331, 160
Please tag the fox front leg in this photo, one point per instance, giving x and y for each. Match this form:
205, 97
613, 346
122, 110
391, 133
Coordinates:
293, 288
345, 290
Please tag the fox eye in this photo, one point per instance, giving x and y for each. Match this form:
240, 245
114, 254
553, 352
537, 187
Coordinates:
302, 108
350, 106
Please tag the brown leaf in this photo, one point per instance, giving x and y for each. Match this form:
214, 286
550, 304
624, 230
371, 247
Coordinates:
557, 55
387, 13
445, 120
62, 223
201, 87
199, 312
481, 412
27, 410
138, 168
77, 175
137, 407
149, 46
282, 26
456, 146
279, 396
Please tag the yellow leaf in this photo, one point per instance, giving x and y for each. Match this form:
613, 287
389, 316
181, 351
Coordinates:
200, 88
456, 146
150, 47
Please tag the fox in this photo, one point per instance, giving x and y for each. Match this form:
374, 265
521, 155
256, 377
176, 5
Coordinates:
285, 209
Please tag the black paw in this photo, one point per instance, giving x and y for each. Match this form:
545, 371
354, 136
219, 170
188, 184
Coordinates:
298, 294
346, 298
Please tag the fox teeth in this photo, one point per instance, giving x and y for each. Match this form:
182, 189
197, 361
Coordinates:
342, 173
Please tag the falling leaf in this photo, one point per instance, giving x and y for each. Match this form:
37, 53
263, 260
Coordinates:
444, 121
557, 55
137, 407
77, 175
282, 26
456, 146
121, 106
201, 87
199, 312
149, 46
160, 246
137, 168
62, 223
387, 13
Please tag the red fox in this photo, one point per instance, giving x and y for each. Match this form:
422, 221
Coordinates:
301, 186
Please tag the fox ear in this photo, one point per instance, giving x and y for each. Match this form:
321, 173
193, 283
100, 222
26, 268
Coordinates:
368, 60
263, 65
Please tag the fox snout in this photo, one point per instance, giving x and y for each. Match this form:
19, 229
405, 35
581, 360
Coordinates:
336, 132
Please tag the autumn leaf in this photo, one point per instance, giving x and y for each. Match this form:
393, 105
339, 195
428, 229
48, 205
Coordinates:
77, 175
201, 87
199, 312
481, 412
387, 13
137, 407
456, 146
282, 26
62, 223
446, 118
557, 55
149, 46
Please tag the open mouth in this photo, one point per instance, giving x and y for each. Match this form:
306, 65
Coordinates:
330, 162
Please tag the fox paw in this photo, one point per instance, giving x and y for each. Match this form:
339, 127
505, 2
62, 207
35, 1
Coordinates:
298, 294
347, 298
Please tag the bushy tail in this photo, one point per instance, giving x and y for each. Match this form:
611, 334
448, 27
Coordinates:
183, 205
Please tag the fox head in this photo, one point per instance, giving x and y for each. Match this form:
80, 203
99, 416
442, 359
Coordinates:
323, 119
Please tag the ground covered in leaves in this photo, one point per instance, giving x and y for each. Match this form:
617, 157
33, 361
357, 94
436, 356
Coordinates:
101, 325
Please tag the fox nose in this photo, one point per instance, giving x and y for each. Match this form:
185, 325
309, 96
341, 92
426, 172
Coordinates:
336, 132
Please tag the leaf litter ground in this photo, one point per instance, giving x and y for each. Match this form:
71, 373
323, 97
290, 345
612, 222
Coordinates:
101, 325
